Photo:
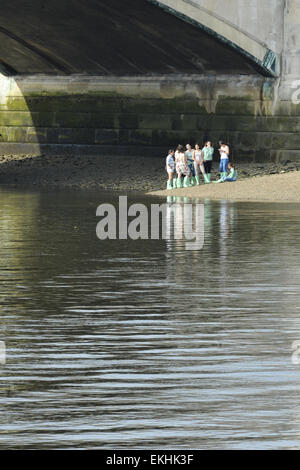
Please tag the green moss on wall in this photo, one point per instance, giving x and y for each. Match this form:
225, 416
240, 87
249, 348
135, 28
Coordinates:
227, 105
114, 119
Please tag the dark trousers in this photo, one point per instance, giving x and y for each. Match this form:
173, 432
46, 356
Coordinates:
207, 167
192, 169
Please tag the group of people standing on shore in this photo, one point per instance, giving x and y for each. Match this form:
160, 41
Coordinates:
188, 163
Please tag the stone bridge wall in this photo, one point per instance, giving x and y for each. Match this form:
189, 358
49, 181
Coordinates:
147, 115
144, 114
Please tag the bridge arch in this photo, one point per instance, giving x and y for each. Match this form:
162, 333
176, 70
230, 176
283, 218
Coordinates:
100, 77
135, 37
224, 30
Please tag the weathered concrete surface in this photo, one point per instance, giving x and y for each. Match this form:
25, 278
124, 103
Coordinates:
179, 84
115, 37
133, 114
257, 31
260, 19
289, 94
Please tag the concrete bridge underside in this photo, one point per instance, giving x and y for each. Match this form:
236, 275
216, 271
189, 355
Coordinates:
134, 76
132, 37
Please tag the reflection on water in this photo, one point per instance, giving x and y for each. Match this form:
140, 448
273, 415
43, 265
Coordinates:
142, 344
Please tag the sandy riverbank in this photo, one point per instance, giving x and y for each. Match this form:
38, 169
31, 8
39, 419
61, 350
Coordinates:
277, 188
263, 181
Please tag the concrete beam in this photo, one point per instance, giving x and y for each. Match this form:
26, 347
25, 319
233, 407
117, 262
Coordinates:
132, 37
226, 31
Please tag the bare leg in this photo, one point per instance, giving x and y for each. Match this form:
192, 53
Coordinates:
197, 171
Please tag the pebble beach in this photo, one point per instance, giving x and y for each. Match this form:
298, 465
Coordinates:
260, 181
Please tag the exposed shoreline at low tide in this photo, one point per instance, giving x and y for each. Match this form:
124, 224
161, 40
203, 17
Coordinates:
257, 181
272, 188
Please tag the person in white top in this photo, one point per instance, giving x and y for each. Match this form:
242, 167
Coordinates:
224, 159
170, 167
198, 162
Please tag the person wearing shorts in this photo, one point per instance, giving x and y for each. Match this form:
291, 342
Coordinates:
198, 163
170, 167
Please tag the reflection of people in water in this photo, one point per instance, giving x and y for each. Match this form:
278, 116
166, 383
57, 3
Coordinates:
174, 219
227, 219
185, 219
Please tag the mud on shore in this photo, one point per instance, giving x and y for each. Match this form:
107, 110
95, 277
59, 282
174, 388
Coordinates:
143, 174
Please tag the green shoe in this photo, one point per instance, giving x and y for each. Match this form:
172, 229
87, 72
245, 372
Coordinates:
174, 183
208, 177
205, 179
169, 185
221, 180
193, 181
179, 183
197, 180
186, 182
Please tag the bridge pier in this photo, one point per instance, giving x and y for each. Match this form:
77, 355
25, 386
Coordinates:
140, 115
196, 97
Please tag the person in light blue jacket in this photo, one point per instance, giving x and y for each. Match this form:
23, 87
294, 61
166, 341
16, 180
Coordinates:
208, 153
232, 177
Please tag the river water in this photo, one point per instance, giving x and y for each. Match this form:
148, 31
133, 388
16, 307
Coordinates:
142, 344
